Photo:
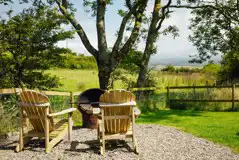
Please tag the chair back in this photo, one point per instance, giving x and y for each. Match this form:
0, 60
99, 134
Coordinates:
117, 113
35, 106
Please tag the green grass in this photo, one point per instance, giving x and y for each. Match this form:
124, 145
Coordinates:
78, 79
219, 127
72, 79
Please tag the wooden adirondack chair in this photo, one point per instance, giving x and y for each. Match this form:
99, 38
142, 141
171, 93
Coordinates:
116, 119
36, 107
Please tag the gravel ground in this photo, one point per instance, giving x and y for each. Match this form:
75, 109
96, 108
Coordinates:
154, 142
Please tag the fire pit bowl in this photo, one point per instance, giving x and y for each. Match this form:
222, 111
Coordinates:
86, 101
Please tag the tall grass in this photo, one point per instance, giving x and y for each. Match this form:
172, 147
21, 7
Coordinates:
9, 117
164, 79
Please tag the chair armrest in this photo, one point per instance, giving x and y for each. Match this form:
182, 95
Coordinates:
96, 110
69, 110
132, 103
137, 112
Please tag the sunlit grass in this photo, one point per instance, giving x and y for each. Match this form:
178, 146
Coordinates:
219, 127
78, 80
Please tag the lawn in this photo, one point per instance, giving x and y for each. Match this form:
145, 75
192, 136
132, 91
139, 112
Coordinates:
219, 127
78, 79
75, 80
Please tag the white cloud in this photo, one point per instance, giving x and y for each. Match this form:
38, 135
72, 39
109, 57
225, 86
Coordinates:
167, 46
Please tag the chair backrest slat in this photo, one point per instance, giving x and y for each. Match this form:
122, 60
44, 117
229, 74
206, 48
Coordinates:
31, 99
122, 123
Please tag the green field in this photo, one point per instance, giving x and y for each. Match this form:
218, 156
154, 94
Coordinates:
73, 80
219, 127
77, 80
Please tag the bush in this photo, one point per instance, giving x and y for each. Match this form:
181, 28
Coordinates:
169, 68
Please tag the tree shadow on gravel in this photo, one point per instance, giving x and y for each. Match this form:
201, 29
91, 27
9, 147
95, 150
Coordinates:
34, 145
94, 146
8, 145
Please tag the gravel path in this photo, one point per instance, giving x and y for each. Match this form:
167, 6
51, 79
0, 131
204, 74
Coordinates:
154, 142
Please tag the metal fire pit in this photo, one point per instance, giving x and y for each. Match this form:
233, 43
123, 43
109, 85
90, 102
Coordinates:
87, 100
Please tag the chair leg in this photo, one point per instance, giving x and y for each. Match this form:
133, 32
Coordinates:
135, 145
70, 124
102, 146
21, 143
21, 132
47, 130
101, 137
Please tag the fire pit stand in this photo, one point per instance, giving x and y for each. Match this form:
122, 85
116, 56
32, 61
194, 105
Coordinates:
87, 100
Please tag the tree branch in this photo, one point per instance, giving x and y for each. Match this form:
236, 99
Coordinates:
238, 7
135, 32
165, 11
128, 4
121, 32
80, 31
123, 25
215, 7
100, 25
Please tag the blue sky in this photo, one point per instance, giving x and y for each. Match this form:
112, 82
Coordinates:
168, 47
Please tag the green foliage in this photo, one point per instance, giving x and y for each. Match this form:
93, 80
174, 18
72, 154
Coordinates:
211, 69
214, 29
230, 66
73, 61
5, 2
9, 117
128, 69
169, 68
29, 46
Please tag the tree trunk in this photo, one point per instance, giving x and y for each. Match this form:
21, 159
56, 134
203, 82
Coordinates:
104, 79
141, 81
104, 72
18, 80
150, 49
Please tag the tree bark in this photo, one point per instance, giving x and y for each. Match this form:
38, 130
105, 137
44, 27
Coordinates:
150, 49
104, 73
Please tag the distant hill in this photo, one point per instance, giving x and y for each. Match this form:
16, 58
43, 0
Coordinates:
176, 61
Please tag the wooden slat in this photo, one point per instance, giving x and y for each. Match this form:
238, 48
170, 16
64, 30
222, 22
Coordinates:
7, 91
69, 110
54, 93
26, 104
76, 93
103, 104
119, 135
34, 117
118, 117
145, 89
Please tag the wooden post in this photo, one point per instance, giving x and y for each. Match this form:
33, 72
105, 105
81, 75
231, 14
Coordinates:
207, 88
70, 122
1, 106
233, 97
194, 91
168, 100
72, 99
